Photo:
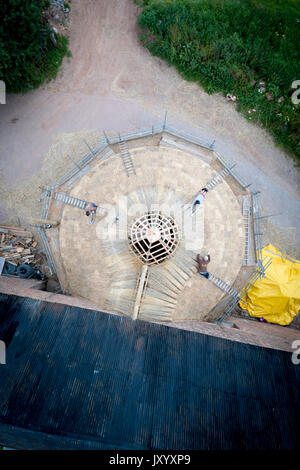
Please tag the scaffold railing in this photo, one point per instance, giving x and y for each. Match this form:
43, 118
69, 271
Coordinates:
257, 227
133, 135
50, 260
45, 244
79, 166
189, 138
234, 173
266, 262
46, 198
103, 151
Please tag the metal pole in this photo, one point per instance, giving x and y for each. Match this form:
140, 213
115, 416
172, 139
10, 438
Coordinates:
267, 216
90, 149
212, 144
107, 139
165, 121
284, 257
74, 162
250, 282
140, 290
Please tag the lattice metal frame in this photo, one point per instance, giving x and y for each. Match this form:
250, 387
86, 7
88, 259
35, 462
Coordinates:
154, 237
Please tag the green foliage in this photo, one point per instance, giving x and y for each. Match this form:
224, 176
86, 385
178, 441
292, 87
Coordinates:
28, 56
226, 45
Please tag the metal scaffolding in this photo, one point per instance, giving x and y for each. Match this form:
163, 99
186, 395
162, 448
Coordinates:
103, 151
256, 211
266, 262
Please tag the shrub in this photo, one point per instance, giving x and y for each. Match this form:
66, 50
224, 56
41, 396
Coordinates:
28, 55
226, 46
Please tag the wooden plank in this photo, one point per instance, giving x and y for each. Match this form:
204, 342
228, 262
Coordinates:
6, 247
16, 230
139, 292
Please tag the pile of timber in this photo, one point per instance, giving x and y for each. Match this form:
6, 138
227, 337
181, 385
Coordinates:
17, 246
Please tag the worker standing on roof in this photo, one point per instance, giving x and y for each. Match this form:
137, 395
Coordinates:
202, 264
90, 210
198, 200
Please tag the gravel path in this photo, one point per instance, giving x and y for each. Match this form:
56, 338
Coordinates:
113, 83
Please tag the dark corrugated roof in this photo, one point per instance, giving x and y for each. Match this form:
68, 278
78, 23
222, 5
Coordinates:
77, 378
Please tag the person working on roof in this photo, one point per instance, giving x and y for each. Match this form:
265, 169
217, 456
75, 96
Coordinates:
202, 264
91, 210
199, 200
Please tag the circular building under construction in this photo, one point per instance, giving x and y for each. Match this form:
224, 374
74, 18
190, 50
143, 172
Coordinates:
137, 255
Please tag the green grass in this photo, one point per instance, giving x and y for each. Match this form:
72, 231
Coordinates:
226, 46
45, 69
28, 55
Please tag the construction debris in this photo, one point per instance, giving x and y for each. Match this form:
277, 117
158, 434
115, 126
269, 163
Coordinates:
17, 246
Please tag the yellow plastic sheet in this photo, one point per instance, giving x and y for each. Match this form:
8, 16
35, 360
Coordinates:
276, 298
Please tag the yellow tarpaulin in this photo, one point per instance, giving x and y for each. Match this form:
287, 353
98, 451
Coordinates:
276, 298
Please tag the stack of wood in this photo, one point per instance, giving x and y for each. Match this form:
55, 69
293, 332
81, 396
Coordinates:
17, 246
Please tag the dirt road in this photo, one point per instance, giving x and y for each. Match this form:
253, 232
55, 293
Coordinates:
113, 83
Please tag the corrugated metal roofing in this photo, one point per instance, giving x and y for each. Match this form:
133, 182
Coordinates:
77, 378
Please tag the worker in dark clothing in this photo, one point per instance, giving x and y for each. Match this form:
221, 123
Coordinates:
202, 264
90, 210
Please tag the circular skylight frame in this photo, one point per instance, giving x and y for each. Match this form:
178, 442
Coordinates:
153, 237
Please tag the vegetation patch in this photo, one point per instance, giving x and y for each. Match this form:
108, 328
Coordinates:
30, 52
246, 49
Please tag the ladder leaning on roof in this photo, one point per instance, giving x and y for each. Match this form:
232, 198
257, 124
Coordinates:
223, 286
70, 200
211, 184
126, 157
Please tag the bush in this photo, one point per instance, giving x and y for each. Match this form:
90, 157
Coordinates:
226, 46
28, 55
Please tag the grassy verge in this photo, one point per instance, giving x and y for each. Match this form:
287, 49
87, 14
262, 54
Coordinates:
47, 67
44, 69
247, 48
30, 52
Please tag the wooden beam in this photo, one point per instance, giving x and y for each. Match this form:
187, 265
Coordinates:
140, 292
